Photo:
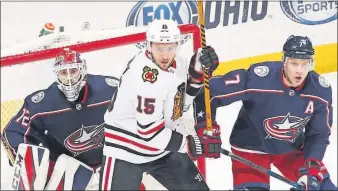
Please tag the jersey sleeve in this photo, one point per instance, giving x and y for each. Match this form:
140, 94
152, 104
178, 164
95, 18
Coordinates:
224, 90
23, 128
149, 108
318, 130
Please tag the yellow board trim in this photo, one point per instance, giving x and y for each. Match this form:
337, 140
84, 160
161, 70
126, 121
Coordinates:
325, 60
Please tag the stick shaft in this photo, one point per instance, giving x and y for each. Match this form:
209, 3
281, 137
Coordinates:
260, 168
205, 71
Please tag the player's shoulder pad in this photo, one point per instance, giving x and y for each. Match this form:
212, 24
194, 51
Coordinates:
40, 99
320, 86
102, 81
265, 69
182, 61
37, 96
112, 81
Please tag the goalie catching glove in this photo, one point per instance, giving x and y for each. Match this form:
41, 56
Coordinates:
202, 145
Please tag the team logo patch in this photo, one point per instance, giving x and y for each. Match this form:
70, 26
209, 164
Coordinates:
85, 139
285, 128
149, 75
261, 71
38, 97
179, 98
323, 82
112, 82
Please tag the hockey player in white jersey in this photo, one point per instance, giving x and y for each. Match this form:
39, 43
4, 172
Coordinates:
144, 118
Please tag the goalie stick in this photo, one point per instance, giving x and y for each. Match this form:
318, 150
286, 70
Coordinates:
8, 149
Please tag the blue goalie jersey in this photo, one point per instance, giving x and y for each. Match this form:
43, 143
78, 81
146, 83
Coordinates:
47, 118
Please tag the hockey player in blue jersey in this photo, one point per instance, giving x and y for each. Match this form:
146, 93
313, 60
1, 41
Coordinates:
66, 121
285, 119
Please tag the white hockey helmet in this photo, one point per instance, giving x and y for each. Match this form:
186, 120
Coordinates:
163, 31
71, 73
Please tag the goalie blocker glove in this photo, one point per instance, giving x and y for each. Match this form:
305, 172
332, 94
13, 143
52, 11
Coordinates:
202, 145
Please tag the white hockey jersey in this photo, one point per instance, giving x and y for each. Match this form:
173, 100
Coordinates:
145, 112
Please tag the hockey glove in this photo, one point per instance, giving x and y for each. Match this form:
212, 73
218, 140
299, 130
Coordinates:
204, 57
201, 127
203, 146
311, 175
210, 145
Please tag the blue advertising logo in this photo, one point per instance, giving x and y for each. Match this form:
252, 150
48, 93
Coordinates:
216, 13
144, 12
310, 12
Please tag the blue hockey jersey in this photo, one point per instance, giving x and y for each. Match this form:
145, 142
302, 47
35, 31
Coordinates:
72, 128
274, 118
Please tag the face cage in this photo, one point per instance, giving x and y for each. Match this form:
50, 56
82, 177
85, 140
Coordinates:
72, 91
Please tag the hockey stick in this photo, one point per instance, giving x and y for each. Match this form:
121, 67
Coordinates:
8, 149
205, 71
260, 168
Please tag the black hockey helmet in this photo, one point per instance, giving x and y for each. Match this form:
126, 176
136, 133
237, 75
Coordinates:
298, 47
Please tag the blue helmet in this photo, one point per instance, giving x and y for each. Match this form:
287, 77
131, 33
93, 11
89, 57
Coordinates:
298, 47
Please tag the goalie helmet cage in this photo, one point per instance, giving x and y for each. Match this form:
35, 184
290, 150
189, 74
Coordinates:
11, 106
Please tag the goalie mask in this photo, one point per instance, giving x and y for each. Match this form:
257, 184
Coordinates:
71, 73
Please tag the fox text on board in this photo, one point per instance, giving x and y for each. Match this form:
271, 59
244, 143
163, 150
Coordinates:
183, 12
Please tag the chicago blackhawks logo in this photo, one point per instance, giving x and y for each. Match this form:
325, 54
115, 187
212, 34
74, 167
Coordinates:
85, 139
179, 102
149, 74
285, 128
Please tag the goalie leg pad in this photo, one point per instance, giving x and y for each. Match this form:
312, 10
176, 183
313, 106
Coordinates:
30, 168
71, 174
